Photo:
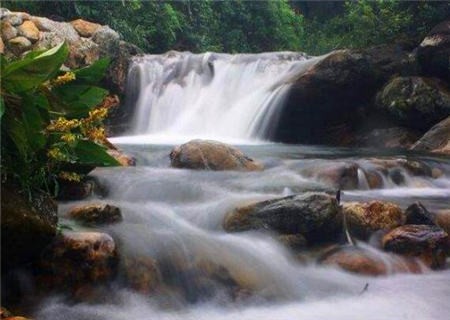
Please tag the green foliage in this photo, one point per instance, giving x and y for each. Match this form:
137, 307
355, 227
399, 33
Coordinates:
49, 119
251, 26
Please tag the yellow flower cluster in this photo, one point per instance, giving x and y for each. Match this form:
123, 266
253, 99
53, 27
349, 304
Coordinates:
56, 154
62, 124
96, 134
65, 78
97, 115
68, 137
70, 176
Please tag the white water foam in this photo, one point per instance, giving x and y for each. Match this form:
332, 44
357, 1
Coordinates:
221, 96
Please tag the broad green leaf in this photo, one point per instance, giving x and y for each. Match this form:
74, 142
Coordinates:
16, 132
91, 153
33, 123
93, 73
78, 100
30, 72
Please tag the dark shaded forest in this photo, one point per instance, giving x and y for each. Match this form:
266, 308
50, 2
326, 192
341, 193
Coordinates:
315, 27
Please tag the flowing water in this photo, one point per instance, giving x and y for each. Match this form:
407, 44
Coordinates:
176, 215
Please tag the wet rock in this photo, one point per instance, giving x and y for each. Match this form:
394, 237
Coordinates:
415, 102
362, 261
437, 139
374, 179
124, 159
96, 214
27, 226
429, 243
293, 241
395, 137
78, 258
211, 155
4, 313
85, 28
29, 30
339, 175
8, 31
365, 218
433, 52
72, 190
443, 219
345, 77
314, 215
19, 45
418, 214
141, 273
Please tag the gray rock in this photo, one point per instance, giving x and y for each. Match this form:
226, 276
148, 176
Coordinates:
313, 215
415, 102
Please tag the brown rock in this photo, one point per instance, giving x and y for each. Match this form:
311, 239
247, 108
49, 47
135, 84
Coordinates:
29, 30
96, 214
365, 218
211, 155
78, 258
443, 219
19, 45
2, 46
8, 31
141, 273
293, 241
374, 179
85, 28
361, 261
339, 175
429, 243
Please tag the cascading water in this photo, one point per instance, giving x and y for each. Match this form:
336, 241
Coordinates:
220, 96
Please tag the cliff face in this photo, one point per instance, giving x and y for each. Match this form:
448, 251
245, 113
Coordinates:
88, 42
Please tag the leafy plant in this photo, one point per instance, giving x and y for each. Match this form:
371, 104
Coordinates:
51, 121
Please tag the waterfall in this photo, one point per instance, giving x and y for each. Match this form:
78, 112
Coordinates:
216, 95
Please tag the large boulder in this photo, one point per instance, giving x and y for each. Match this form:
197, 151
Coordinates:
313, 215
75, 259
429, 243
326, 102
415, 102
211, 155
27, 226
366, 218
437, 139
434, 51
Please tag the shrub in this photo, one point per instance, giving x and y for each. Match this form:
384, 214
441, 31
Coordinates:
51, 121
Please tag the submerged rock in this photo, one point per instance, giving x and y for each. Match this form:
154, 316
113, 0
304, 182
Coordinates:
362, 261
415, 102
27, 227
340, 175
96, 214
314, 215
393, 137
211, 155
293, 241
141, 273
79, 258
429, 243
437, 139
365, 218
